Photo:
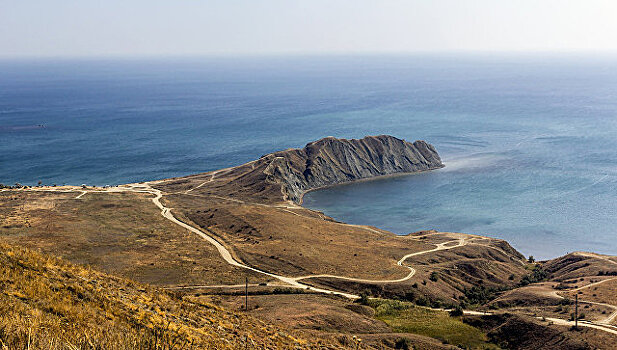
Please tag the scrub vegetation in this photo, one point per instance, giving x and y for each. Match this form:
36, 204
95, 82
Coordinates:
47, 303
405, 317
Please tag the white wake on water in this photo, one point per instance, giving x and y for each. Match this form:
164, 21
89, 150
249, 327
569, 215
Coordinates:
473, 162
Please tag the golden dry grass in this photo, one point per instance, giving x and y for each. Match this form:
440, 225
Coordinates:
47, 303
328, 317
297, 241
120, 233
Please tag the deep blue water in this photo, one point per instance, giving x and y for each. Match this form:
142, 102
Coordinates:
529, 142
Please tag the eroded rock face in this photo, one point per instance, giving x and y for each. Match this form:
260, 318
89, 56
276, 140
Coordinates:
331, 161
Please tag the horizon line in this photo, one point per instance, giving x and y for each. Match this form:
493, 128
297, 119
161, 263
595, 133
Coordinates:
496, 53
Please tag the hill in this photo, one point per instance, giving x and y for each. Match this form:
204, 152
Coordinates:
202, 235
47, 303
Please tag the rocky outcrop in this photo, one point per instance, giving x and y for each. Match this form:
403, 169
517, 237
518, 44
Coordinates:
331, 161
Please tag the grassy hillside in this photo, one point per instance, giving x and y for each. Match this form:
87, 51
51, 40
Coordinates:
405, 317
119, 233
47, 303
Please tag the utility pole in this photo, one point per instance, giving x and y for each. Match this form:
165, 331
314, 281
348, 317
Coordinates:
246, 294
576, 312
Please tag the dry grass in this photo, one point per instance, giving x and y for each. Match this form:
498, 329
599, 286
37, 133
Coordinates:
482, 262
306, 312
299, 243
605, 292
328, 317
578, 265
119, 233
47, 303
407, 318
250, 216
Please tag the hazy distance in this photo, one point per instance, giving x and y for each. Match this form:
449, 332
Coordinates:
42, 28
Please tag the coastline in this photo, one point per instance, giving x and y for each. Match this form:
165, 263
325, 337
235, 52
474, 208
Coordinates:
426, 231
367, 179
300, 203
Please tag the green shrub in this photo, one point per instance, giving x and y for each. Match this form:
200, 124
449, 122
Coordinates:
410, 296
457, 311
403, 343
536, 275
364, 298
479, 295
434, 276
422, 301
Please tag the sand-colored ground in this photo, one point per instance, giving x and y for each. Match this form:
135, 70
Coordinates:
217, 228
121, 233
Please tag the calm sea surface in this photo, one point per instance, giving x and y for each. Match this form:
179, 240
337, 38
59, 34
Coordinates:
529, 142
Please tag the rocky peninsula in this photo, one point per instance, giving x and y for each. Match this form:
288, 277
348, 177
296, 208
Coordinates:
204, 235
332, 161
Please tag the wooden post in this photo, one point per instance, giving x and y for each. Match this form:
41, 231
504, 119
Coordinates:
246, 294
576, 312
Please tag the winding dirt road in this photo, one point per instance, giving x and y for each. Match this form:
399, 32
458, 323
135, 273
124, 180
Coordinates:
293, 281
441, 246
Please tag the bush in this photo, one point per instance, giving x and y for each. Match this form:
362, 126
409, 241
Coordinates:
422, 301
410, 296
480, 295
390, 308
536, 275
581, 316
434, 276
403, 343
607, 273
364, 298
457, 311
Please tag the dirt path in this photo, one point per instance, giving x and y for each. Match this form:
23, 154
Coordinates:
212, 176
293, 281
591, 284
561, 322
607, 320
441, 246
597, 256
225, 254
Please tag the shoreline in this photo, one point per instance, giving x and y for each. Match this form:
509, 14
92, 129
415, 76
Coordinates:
366, 179
99, 189
110, 189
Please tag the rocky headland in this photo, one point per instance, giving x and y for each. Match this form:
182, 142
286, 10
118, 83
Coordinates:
332, 161
285, 176
203, 235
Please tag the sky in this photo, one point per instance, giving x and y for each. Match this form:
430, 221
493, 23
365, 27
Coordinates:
69, 28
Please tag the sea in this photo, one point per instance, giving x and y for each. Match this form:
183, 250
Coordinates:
529, 140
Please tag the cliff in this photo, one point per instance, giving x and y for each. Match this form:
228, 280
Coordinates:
331, 161
287, 175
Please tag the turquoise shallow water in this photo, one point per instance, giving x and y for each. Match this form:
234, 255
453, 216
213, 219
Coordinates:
529, 142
